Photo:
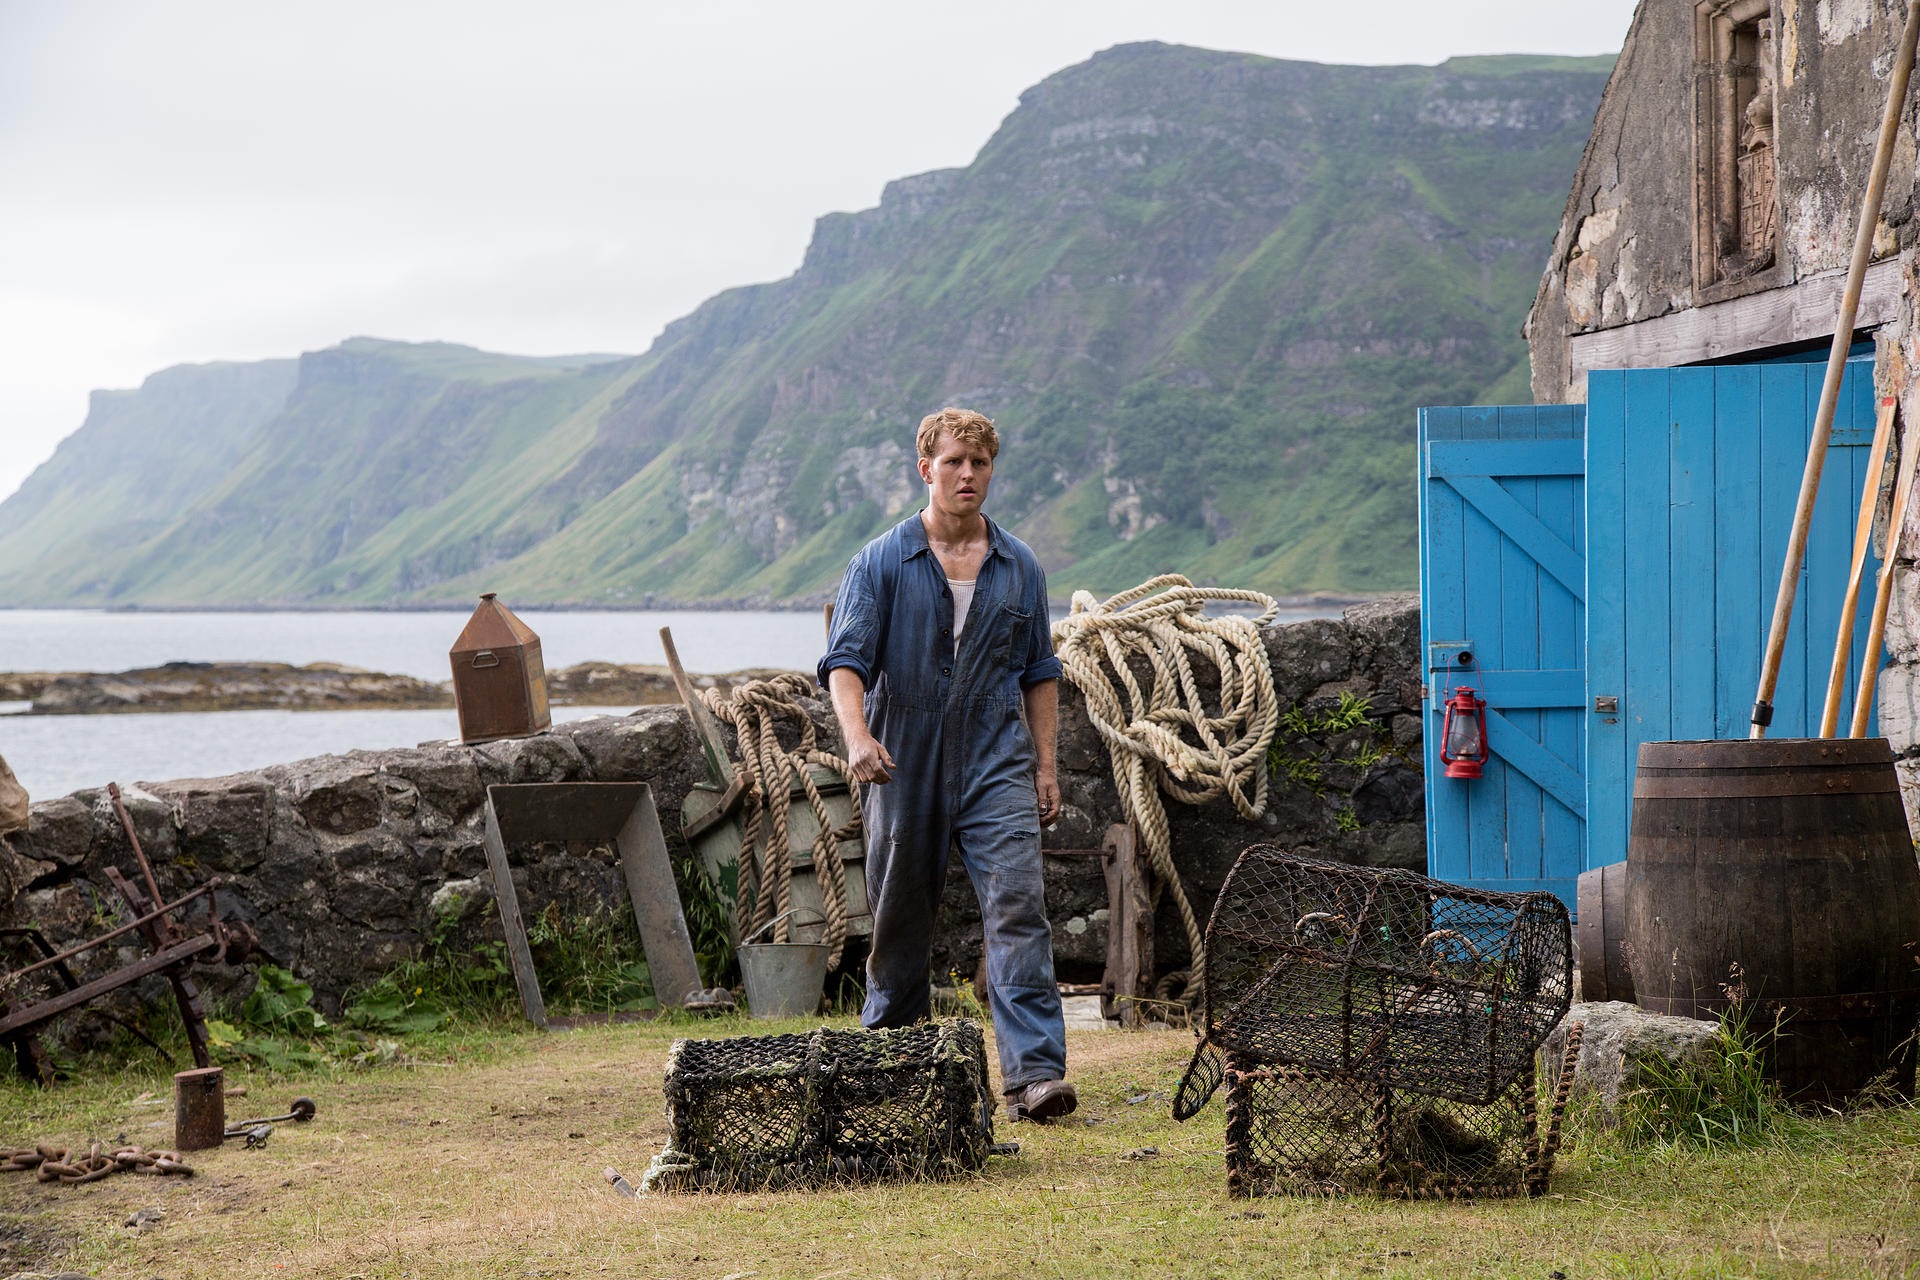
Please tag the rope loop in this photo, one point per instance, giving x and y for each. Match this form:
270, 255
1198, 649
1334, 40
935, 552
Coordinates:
771, 770
1161, 734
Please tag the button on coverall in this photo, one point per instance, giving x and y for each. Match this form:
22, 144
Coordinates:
963, 776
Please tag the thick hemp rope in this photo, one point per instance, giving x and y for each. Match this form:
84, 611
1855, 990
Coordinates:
755, 710
1164, 737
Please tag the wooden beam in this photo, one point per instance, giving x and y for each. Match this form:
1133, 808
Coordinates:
1129, 974
713, 742
1799, 312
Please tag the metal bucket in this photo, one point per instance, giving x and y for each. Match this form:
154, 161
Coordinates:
784, 979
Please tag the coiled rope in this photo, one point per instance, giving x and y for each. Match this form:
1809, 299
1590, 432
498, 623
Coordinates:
1164, 737
755, 710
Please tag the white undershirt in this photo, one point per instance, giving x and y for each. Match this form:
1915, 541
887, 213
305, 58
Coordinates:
962, 601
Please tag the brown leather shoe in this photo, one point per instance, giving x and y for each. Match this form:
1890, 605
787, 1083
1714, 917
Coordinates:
1041, 1101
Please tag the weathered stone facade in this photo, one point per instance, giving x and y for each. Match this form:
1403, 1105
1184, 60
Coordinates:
343, 864
1637, 278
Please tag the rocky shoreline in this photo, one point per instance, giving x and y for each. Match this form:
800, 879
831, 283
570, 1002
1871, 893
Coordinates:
319, 686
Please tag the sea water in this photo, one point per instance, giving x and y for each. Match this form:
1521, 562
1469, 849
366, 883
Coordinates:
53, 755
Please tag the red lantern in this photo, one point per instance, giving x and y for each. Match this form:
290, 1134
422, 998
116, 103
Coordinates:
1463, 734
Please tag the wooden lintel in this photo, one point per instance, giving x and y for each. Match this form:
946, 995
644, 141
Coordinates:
1798, 312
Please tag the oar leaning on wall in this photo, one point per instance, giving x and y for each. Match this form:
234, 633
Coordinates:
1898, 77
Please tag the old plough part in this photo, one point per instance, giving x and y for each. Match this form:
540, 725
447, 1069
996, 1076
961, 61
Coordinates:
173, 950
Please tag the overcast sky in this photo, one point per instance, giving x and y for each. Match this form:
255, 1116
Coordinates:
187, 182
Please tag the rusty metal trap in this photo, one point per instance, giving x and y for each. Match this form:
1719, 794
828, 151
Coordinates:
1377, 1029
1295, 1132
826, 1106
1378, 974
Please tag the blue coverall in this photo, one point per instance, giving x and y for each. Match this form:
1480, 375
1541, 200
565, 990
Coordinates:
964, 776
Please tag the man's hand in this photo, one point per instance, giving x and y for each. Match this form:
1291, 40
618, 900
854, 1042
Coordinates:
1048, 785
868, 761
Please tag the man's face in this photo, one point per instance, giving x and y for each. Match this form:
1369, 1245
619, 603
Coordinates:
957, 476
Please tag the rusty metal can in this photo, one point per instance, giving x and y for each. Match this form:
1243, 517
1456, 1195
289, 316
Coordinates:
199, 1109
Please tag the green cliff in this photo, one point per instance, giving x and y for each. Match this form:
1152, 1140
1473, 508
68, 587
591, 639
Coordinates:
1201, 292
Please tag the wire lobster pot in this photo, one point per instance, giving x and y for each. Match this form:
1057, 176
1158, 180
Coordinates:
805, 1109
1379, 976
1295, 1132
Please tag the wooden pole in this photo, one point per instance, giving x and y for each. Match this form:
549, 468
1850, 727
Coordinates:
706, 728
1877, 629
1836, 366
1862, 543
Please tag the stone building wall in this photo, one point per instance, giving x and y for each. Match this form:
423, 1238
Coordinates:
1628, 243
343, 864
1626, 249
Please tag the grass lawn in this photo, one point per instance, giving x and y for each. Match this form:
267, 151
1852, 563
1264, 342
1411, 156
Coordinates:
481, 1155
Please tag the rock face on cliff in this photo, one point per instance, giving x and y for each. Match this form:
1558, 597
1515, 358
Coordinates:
345, 864
1201, 292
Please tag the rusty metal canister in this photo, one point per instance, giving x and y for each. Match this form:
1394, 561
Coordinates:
199, 1109
499, 681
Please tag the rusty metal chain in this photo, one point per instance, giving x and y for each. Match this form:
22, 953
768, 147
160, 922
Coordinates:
73, 1166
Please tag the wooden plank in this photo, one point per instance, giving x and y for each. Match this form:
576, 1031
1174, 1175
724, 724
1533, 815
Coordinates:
1442, 617
1647, 703
1513, 520
1740, 591
712, 738
656, 905
1481, 593
1785, 421
1129, 975
1605, 642
1550, 456
1561, 621
1540, 766
1797, 312
1692, 518
1523, 585
519, 954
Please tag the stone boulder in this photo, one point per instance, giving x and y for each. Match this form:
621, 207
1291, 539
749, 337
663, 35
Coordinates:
1618, 1041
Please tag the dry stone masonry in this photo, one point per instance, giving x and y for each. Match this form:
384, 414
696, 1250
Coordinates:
346, 864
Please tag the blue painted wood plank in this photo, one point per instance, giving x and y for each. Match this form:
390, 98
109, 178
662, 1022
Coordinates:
1691, 552
1606, 628
1442, 616
1553, 456
1501, 509
1560, 687
1560, 508
1785, 428
1522, 750
1741, 593
1523, 585
1482, 592
1647, 707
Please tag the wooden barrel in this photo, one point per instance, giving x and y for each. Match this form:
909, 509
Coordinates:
1602, 933
1783, 867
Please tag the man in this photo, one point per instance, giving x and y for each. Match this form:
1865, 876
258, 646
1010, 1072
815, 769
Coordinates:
941, 670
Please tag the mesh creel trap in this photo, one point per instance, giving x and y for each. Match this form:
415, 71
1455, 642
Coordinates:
1378, 975
797, 1110
1294, 1132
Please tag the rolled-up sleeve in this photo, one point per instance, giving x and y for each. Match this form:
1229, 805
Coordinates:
1041, 663
854, 638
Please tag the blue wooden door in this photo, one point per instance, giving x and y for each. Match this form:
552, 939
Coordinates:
1503, 576
1692, 477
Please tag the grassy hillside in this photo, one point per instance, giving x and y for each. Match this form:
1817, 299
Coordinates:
1202, 293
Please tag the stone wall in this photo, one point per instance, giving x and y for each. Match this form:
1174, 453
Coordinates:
1626, 247
338, 861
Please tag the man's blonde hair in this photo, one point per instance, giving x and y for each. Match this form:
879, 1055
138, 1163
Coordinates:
963, 425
